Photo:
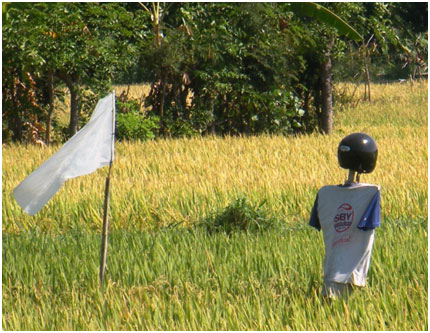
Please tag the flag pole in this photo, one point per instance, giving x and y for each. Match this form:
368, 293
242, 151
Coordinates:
103, 247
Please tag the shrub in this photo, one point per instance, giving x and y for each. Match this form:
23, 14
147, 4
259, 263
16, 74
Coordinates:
240, 215
179, 129
131, 125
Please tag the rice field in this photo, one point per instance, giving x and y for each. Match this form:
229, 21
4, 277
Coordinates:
166, 273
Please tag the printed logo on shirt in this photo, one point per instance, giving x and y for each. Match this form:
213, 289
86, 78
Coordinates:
344, 217
341, 240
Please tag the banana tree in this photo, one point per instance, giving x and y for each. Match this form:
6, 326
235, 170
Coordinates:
160, 83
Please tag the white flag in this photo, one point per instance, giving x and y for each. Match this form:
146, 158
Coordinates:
89, 149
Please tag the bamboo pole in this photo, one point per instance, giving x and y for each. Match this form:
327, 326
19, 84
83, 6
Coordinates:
103, 247
105, 230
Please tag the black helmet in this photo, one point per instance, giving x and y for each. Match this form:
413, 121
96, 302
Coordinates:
357, 152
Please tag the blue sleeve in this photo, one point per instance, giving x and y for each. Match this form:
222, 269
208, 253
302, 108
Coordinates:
370, 219
314, 220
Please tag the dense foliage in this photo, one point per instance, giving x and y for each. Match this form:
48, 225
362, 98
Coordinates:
213, 68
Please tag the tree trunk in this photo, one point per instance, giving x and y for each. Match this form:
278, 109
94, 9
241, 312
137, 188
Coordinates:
51, 106
74, 102
326, 118
213, 125
367, 96
163, 83
163, 80
15, 122
74, 110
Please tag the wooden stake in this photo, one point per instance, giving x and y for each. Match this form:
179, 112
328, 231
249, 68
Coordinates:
103, 247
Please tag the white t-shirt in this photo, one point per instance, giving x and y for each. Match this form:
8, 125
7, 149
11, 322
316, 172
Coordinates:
347, 216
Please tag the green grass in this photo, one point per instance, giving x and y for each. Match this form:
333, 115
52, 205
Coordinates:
167, 270
181, 279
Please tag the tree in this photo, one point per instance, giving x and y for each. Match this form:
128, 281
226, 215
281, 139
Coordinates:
241, 73
164, 61
400, 37
21, 105
326, 37
242, 68
249, 67
80, 44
